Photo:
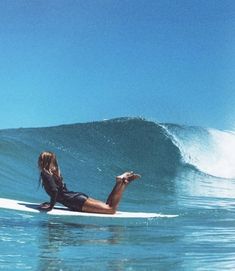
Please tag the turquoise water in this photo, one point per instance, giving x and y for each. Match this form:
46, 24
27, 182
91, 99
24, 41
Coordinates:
186, 171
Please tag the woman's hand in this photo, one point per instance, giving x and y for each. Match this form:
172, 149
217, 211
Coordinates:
46, 207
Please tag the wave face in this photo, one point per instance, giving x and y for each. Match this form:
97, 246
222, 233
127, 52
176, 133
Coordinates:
91, 154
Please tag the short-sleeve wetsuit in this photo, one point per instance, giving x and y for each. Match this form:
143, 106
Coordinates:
58, 192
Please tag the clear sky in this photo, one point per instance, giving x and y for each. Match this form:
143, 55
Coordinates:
64, 61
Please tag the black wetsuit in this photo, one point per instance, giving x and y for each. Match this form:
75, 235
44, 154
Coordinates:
57, 190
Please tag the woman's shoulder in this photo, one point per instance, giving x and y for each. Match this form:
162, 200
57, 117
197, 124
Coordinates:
48, 181
48, 176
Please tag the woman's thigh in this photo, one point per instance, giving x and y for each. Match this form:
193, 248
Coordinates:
96, 206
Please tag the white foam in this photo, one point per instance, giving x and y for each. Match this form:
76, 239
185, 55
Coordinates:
211, 151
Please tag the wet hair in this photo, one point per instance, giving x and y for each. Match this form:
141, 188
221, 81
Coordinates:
47, 161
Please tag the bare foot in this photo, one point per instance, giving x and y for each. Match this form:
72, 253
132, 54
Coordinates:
133, 177
123, 176
127, 177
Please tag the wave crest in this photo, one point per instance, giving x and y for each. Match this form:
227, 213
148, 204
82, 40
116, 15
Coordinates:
210, 151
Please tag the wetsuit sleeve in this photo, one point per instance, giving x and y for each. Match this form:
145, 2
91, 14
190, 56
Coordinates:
53, 200
50, 187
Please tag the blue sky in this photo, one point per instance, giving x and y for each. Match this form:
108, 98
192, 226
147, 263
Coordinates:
77, 61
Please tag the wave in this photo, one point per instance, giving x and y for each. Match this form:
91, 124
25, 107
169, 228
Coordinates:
209, 150
95, 152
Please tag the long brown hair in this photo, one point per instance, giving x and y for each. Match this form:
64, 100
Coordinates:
47, 161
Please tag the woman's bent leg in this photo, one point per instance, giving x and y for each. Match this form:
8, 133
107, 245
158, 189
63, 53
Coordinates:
116, 194
96, 206
121, 182
110, 207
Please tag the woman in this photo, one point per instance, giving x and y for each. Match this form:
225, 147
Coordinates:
52, 182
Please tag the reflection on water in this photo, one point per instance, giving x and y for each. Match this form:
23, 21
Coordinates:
199, 239
60, 241
69, 246
34, 242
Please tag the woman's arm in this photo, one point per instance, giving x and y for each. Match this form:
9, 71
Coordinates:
51, 189
53, 199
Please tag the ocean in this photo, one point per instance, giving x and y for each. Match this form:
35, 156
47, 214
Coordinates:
186, 171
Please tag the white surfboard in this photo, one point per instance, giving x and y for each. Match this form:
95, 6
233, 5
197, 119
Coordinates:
63, 211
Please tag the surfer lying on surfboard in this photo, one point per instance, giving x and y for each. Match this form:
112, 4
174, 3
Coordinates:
52, 181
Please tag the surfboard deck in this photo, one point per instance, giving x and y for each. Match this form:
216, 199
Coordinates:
29, 207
